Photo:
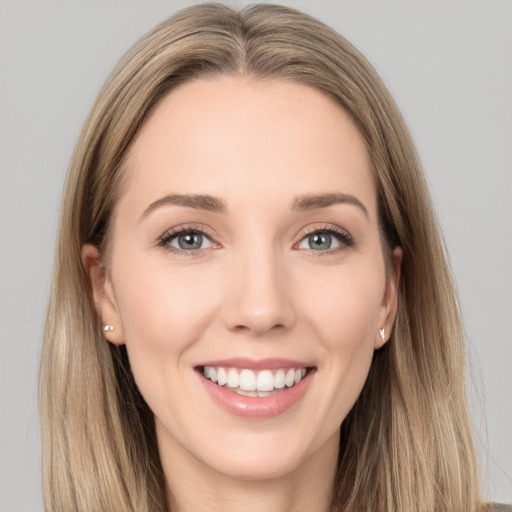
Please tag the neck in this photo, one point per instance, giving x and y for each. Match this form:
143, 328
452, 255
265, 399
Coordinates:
193, 486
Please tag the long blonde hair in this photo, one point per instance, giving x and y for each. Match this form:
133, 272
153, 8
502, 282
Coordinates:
406, 445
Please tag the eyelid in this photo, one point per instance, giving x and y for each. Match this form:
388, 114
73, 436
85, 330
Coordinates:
345, 239
164, 239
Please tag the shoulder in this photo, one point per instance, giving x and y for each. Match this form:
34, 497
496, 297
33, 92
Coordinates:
498, 507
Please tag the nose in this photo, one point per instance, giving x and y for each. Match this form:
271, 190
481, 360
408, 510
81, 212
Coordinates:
258, 296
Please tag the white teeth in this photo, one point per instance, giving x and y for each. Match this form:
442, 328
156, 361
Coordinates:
279, 379
233, 379
289, 380
246, 393
250, 383
210, 373
265, 381
247, 380
222, 377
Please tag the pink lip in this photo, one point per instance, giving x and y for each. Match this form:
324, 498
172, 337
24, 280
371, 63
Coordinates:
257, 364
256, 408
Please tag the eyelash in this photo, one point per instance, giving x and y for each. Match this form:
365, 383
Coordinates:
343, 237
165, 240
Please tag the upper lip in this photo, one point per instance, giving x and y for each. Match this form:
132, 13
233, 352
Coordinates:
257, 364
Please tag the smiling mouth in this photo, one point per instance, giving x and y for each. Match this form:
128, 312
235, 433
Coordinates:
247, 382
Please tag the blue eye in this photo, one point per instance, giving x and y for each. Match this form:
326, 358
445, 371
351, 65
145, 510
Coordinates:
325, 240
187, 240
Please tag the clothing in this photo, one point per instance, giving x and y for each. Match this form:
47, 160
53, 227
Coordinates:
499, 507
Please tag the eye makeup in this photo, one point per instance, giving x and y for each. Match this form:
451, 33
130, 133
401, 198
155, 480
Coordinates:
328, 239
187, 240
193, 239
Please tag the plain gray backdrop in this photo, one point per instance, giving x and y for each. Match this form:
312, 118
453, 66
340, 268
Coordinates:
448, 64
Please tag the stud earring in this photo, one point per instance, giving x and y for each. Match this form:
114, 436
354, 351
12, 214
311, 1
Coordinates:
382, 333
108, 328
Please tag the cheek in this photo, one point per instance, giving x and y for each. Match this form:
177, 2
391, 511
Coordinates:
157, 302
344, 318
163, 312
345, 307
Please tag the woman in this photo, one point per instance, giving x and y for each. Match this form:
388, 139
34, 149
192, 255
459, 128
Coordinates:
266, 318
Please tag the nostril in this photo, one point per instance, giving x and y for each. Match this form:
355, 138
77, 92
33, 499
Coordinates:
258, 329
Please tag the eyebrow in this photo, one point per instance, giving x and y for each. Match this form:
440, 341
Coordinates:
206, 202
309, 202
195, 201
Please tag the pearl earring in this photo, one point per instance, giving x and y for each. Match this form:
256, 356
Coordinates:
108, 328
382, 333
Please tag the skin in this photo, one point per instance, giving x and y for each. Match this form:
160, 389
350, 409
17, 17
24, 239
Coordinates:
256, 290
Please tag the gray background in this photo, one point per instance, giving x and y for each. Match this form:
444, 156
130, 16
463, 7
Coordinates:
448, 64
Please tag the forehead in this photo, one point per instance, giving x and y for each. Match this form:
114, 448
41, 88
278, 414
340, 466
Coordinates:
245, 140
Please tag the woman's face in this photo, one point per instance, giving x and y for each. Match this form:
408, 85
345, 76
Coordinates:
246, 246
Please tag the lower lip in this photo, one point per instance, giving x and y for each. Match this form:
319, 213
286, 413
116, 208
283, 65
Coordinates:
257, 407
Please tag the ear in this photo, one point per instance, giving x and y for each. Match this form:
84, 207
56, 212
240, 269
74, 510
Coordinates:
390, 301
103, 294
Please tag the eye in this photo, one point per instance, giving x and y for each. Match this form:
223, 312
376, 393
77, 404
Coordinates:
186, 240
190, 241
325, 240
320, 241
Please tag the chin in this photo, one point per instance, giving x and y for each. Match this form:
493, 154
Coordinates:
253, 467
259, 456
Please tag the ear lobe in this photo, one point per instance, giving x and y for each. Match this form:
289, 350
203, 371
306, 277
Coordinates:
103, 294
390, 303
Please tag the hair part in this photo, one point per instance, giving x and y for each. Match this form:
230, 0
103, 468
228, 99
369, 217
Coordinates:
406, 444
